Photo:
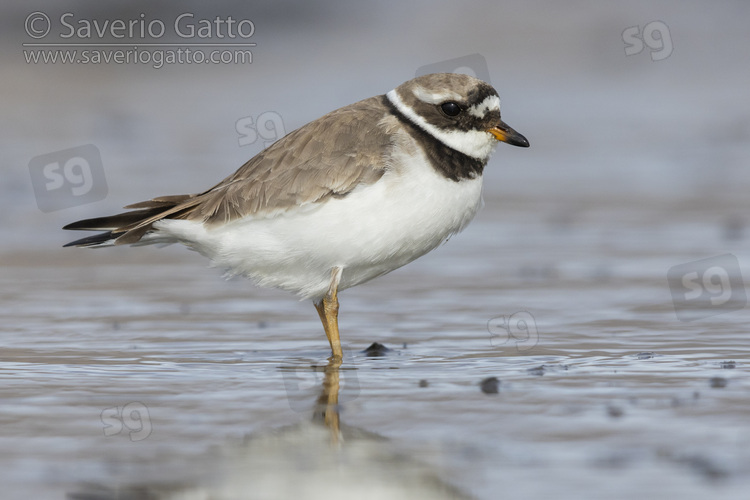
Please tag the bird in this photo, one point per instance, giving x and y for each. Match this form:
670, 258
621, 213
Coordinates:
348, 197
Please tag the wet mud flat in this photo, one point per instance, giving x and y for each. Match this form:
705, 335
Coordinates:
509, 367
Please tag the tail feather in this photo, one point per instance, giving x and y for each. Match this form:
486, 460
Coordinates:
100, 239
112, 222
130, 227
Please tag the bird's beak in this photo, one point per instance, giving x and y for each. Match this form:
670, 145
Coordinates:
503, 132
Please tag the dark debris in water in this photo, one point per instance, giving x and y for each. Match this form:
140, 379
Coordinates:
702, 465
718, 382
615, 411
376, 350
543, 369
645, 355
734, 227
135, 492
538, 371
423, 383
705, 466
728, 365
490, 385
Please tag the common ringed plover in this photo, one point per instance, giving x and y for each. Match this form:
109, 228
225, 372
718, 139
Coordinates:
346, 198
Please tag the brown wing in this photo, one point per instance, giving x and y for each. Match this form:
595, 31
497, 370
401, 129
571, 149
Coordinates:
326, 158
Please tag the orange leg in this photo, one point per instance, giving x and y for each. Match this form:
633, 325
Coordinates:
328, 310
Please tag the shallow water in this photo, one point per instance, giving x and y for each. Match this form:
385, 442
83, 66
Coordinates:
613, 395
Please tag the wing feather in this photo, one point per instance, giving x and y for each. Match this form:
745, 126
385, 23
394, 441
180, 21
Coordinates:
328, 157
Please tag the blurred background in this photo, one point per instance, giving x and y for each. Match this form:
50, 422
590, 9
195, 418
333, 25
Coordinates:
667, 126
639, 122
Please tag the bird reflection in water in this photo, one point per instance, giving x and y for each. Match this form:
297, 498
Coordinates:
319, 457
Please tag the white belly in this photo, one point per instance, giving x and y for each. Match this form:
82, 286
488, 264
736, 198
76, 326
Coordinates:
373, 230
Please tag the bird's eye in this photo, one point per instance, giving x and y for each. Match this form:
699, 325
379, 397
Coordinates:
450, 108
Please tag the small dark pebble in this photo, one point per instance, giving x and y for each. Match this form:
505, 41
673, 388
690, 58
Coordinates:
645, 355
718, 382
490, 385
423, 383
728, 365
538, 371
615, 411
706, 467
733, 228
376, 350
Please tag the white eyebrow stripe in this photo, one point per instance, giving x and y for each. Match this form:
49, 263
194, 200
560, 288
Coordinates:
490, 103
434, 97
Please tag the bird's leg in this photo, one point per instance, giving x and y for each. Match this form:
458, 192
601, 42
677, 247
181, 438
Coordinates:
328, 310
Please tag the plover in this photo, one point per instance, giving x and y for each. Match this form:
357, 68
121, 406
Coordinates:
346, 198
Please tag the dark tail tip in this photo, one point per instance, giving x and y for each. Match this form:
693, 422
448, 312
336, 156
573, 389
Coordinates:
89, 241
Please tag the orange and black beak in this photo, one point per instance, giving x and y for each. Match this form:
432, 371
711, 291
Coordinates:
504, 133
